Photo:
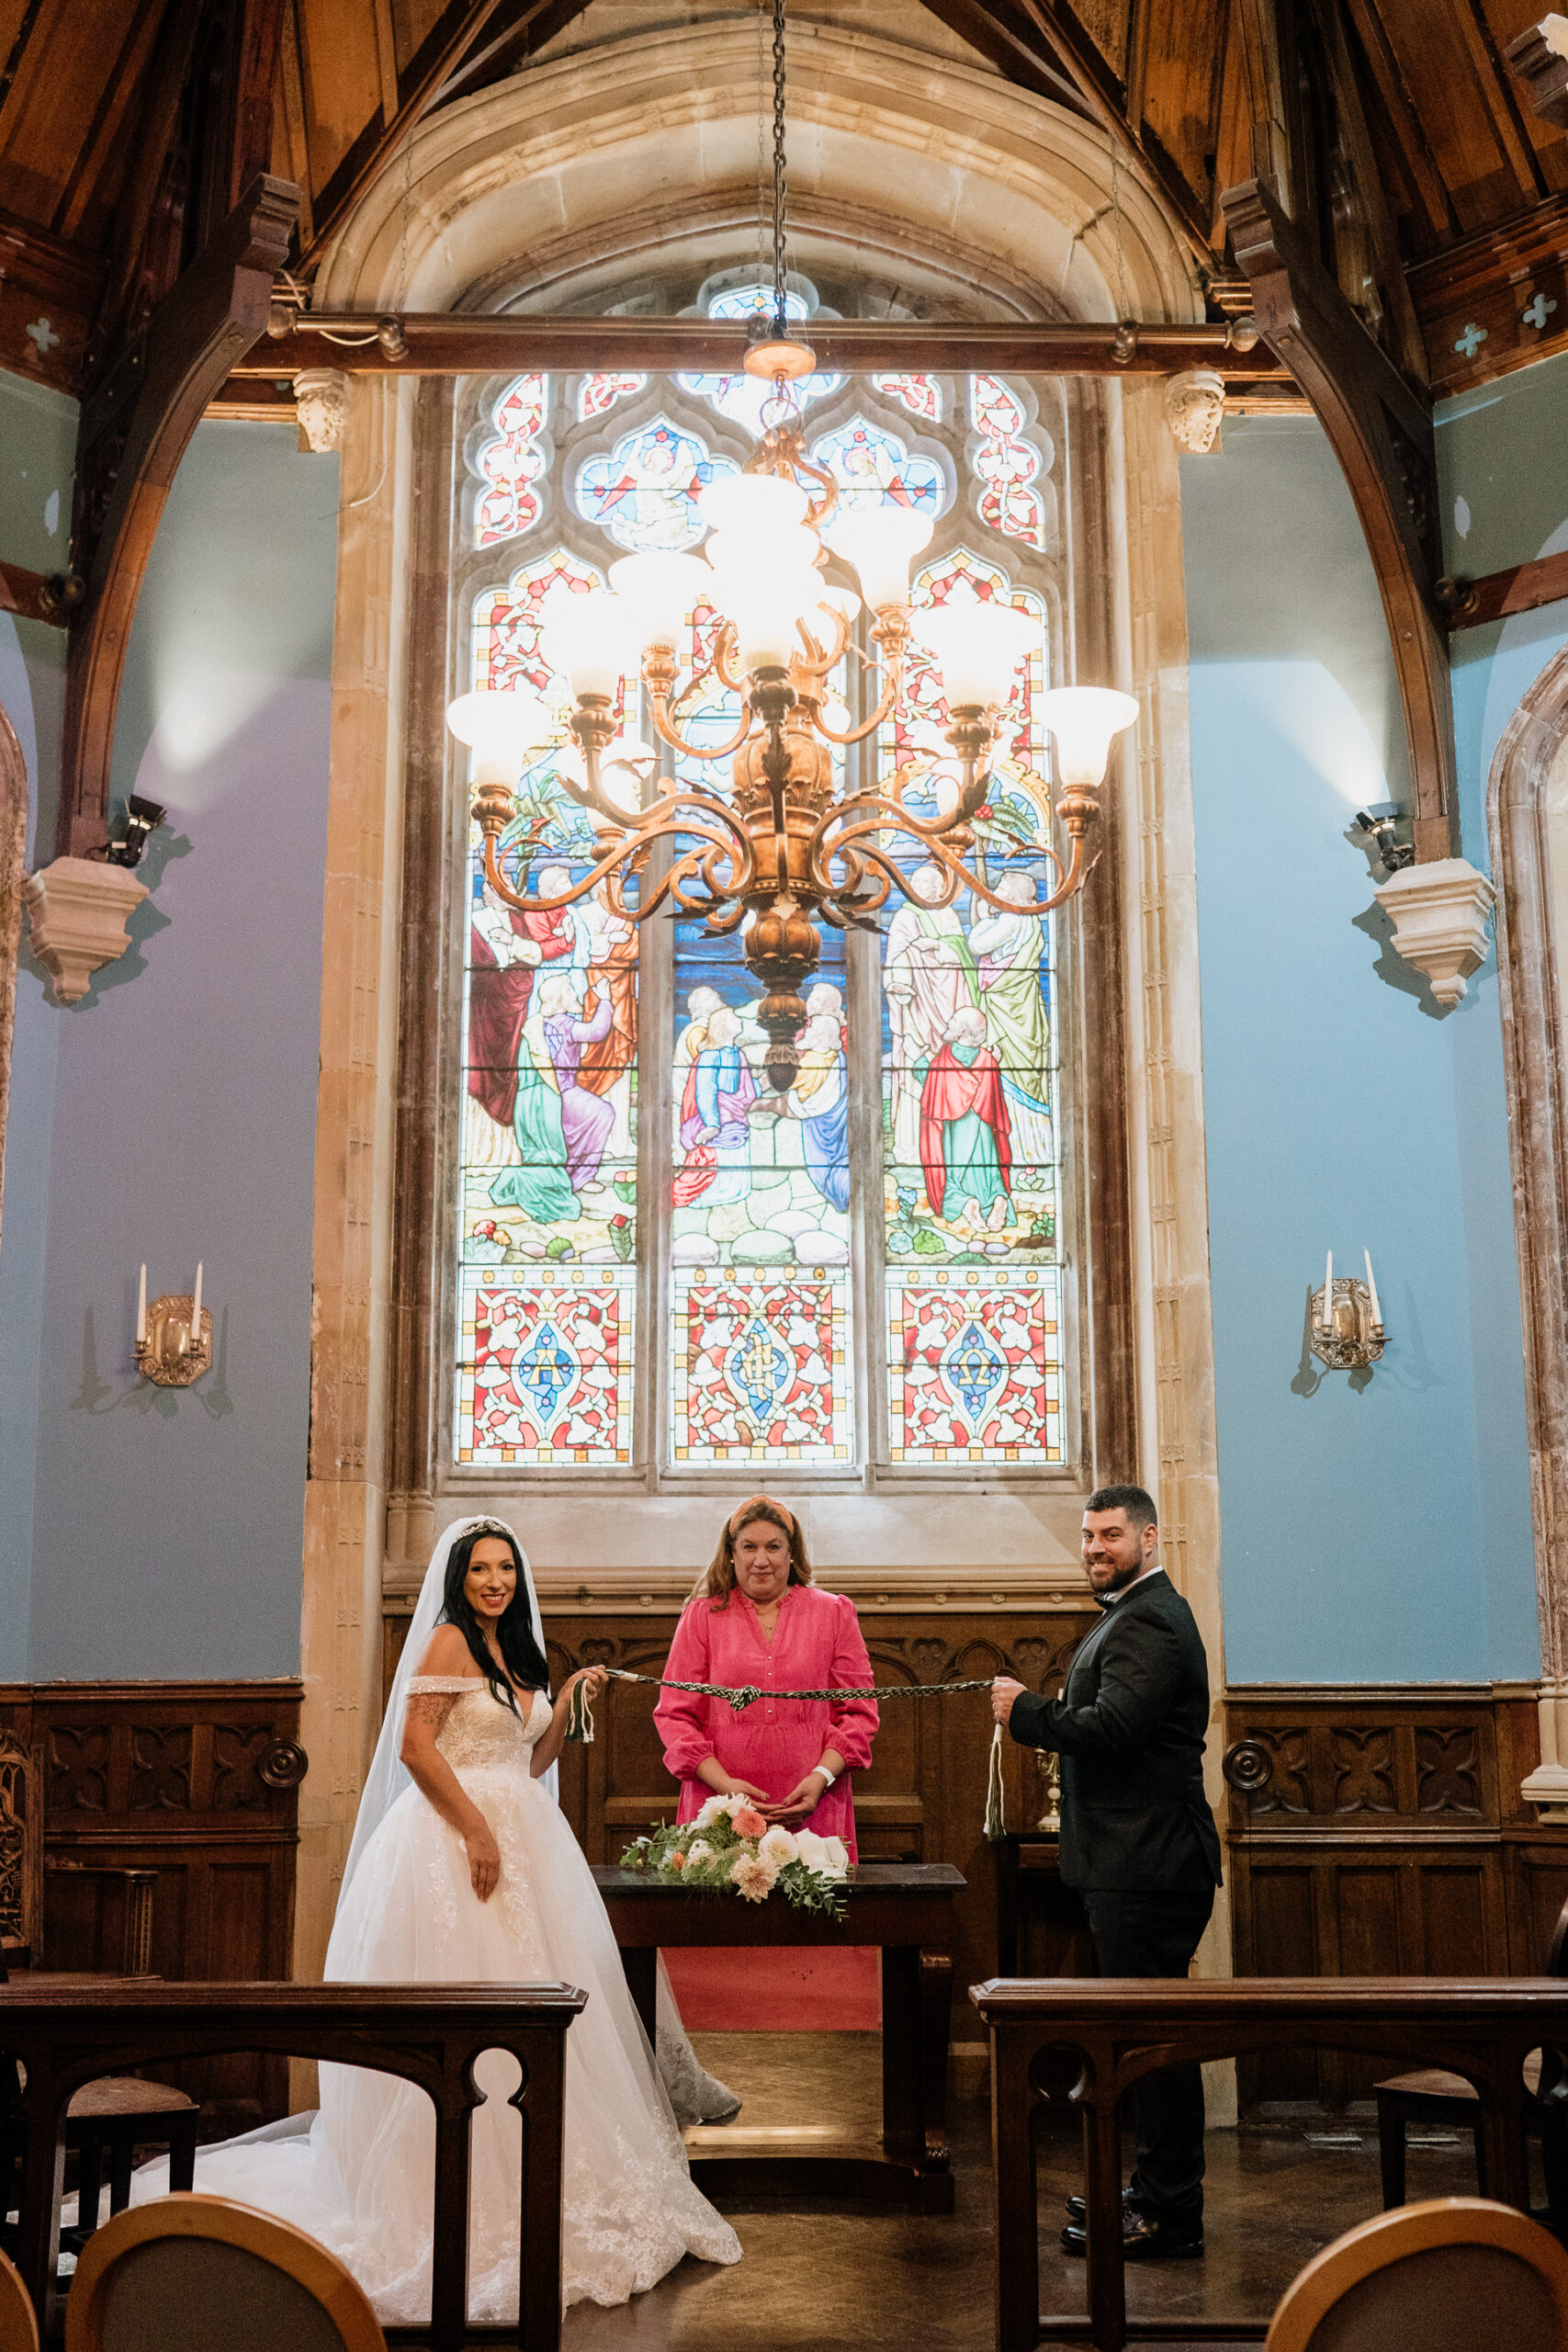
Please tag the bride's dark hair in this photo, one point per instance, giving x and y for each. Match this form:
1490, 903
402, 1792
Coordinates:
514, 1634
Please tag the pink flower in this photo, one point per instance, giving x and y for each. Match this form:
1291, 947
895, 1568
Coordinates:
748, 1823
752, 1877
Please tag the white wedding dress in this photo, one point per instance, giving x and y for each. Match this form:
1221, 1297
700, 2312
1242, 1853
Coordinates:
361, 2180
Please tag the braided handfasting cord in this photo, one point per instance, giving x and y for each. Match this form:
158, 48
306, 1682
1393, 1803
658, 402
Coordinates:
579, 1716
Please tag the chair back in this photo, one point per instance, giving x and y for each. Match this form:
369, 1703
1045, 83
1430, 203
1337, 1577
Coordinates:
18, 2327
213, 2276
1456, 2274
1557, 1950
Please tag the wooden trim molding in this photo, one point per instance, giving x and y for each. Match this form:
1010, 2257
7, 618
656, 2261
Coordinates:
1524, 795
13, 864
1523, 588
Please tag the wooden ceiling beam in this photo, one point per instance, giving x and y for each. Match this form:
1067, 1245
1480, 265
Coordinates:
132, 435
1370, 195
1044, 48
1381, 431
444, 342
437, 60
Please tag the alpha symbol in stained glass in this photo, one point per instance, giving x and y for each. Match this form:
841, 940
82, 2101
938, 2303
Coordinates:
547, 1371
758, 1369
973, 1369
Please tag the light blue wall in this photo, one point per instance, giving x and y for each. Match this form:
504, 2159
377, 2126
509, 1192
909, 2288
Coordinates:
172, 1116
1378, 1532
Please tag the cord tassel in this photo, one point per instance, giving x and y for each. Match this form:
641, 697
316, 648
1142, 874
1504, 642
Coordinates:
579, 1715
995, 1800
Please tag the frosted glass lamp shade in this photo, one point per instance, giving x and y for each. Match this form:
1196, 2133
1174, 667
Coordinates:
977, 647
792, 549
882, 542
1083, 721
591, 640
501, 728
756, 505
624, 765
660, 590
765, 606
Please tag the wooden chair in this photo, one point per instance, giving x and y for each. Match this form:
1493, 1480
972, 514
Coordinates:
18, 2327
1431, 2095
212, 2276
1454, 2275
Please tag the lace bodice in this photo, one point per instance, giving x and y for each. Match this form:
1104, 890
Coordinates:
476, 1729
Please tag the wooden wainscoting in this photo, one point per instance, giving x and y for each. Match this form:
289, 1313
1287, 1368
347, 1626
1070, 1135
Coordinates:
1381, 1832
924, 1798
196, 1782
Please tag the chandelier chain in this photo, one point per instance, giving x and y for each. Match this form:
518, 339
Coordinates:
762, 8
780, 323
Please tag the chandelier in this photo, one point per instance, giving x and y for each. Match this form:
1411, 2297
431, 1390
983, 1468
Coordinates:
772, 850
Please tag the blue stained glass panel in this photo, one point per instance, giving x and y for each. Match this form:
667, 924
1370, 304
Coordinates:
873, 468
645, 493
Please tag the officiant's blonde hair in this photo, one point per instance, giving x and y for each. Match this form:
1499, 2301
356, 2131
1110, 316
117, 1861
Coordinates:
718, 1580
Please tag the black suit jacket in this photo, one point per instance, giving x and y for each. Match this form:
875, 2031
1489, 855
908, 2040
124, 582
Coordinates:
1129, 1727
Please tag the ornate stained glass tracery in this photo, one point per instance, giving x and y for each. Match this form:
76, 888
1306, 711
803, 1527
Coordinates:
755, 1212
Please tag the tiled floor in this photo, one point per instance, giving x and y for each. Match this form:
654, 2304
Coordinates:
812, 2276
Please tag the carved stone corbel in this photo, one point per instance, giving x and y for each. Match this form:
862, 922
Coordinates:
320, 402
78, 908
133, 432
1381, 431
1439, 913
1540, 57
1194, 407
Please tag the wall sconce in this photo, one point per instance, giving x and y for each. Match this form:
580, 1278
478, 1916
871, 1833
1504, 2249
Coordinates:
173, 1336
1347, 1319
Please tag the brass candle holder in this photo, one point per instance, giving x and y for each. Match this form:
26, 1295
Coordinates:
171, 1354
1048, 1764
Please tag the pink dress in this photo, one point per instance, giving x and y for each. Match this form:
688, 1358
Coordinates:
816, 1645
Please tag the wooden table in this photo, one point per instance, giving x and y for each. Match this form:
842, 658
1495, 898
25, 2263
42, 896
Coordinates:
903, 1908
1089, 2041
67, 2034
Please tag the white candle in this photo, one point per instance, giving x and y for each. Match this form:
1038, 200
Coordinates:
195, 1312
1372, 1290
141, 1310
1329, 1293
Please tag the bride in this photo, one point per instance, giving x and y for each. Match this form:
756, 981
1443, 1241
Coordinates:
463, 1870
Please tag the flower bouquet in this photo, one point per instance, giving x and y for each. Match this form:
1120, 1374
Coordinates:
729, 1845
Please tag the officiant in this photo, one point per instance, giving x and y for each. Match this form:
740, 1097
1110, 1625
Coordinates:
756, 1619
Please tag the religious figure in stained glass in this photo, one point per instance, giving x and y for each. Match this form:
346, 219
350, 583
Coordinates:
873, 468
1010, 951
507, 623
645, 493
965, 1134
928, 974
511, 464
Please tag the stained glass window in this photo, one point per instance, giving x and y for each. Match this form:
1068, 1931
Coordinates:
873, 468
547, 1184
511, 464
751, 1209
971, 1193
645, 493
1007, 462
922, 395
596, 394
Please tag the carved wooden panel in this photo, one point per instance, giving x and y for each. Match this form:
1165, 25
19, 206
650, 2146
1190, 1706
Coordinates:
195, 1783
924, 1798
1363, 1771
1318, 1760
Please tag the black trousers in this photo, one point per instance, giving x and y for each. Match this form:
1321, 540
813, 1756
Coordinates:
1157, 1935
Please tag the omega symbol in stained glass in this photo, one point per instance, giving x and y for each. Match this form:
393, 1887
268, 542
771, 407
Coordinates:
645, 493
974, 1369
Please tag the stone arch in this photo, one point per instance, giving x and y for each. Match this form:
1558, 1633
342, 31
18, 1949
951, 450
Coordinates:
1527, 812
13, 862
993, 203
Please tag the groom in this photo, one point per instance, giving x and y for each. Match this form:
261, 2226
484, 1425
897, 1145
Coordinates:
1138, 1839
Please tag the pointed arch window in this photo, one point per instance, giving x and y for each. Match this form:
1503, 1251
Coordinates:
657, 1263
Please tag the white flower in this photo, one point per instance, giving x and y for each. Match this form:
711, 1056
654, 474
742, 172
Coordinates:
710, 1812
811, 1849
778, 1847
753, 1877
838, 1857
699, 1851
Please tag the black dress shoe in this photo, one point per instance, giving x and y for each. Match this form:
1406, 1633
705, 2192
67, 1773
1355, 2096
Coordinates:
1145, 2238
1078, 2207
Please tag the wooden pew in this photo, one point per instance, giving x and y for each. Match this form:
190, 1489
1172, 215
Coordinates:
1089, 2040
64, 2035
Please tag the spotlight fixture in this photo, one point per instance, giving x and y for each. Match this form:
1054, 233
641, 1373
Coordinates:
142, 819
1393, 856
